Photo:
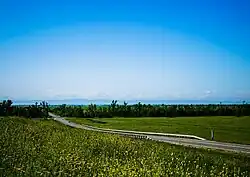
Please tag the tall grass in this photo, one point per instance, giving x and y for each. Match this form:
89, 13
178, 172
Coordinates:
46, 148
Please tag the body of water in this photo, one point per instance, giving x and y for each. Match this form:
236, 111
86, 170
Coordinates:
107, 102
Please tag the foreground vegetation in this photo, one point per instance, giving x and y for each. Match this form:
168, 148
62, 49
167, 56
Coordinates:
227, 129
143, 110
47, 148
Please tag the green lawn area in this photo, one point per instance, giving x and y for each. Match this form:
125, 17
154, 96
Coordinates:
48, 148
227, 129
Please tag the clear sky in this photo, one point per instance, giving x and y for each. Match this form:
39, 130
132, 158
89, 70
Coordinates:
127, 49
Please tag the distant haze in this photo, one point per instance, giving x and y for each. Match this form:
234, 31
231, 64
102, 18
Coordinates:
125, 50
108, 102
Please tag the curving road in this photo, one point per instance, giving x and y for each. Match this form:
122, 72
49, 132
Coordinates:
178, 139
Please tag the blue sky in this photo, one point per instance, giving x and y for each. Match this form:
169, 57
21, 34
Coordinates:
125, 49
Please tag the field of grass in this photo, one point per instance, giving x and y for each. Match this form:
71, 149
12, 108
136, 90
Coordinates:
227, 129
47, 148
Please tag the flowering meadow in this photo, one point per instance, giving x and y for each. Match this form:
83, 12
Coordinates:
47, 148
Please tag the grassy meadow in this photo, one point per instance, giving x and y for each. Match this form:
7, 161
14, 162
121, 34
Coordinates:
47, 148
226, 129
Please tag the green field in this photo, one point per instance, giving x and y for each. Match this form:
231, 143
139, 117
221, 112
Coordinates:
47, 148
227, 129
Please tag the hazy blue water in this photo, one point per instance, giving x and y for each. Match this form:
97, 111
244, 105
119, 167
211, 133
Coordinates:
104, 102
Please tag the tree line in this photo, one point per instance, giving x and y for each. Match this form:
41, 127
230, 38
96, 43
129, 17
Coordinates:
117, 110
31, 111
148, 110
